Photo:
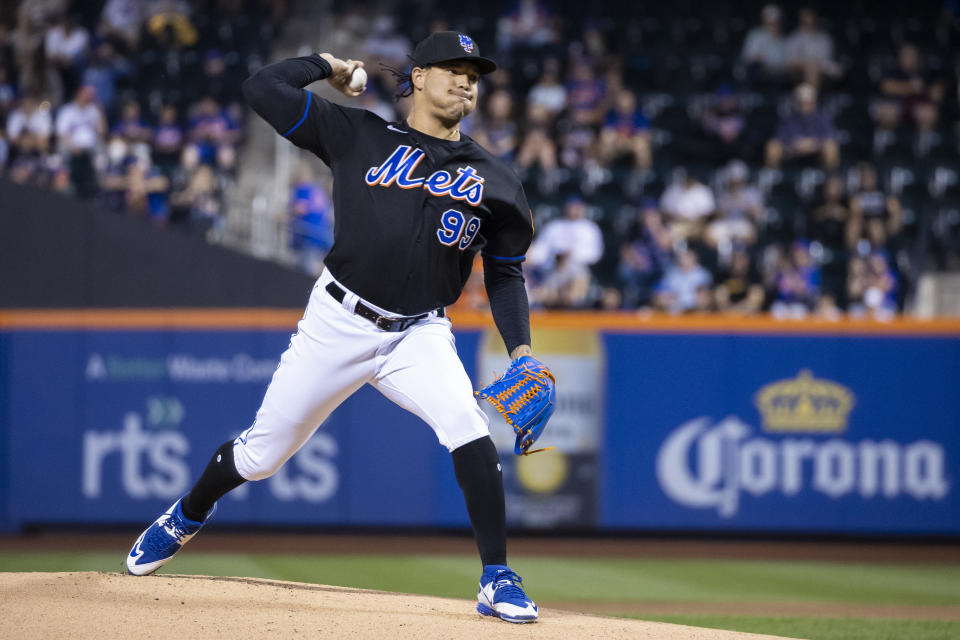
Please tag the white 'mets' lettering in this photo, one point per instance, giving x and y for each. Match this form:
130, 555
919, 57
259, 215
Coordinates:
398, 169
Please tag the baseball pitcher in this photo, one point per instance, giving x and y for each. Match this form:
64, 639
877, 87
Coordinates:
415, 201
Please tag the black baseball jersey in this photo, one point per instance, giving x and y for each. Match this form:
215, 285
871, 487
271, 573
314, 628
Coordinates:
412, 210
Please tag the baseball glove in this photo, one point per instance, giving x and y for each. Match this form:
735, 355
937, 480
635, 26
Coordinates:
525, 394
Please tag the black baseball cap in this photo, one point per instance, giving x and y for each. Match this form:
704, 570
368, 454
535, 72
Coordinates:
446, 46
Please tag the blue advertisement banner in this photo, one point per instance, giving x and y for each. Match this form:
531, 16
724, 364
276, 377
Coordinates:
799, 434
109, 427
708, 432
6, 524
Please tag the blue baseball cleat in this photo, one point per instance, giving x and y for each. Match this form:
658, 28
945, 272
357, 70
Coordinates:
162, 540
501, 595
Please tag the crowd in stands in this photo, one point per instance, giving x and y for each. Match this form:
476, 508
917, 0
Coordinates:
747, 159
131, 104
689, 157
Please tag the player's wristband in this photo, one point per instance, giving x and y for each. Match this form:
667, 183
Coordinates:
325, 69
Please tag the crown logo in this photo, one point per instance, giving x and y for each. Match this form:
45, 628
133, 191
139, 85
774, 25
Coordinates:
804, 404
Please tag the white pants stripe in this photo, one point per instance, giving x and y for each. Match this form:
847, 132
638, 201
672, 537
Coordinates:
334, 353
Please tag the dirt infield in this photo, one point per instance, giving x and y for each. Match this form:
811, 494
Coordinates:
109, 606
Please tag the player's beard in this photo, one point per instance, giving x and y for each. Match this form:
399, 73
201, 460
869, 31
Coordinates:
453, 114
460, 111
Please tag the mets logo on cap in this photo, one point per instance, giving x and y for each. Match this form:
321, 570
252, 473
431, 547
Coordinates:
466, 43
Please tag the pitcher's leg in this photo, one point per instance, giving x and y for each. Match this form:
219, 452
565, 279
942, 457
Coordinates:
319, 370
423, 374
329, 358
217, 480
477, 467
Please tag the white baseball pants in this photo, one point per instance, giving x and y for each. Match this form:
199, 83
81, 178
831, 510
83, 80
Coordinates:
335, 352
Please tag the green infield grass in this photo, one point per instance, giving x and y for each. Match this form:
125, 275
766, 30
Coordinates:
822, 628
607, 580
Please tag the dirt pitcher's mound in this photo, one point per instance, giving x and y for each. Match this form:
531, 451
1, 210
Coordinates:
112, 605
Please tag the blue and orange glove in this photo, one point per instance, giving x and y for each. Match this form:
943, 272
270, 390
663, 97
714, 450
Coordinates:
525, 395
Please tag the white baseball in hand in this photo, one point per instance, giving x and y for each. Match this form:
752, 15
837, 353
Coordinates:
358, 81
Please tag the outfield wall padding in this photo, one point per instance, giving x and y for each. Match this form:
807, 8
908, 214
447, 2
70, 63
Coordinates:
58, 252
656, 430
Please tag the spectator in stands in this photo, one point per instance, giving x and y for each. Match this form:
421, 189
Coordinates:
625, 132
38, 170
131, 126
81, 128
739, 287
578, 146
723, 127
198, 199
809, 50
764, 49
8, 94
311, 221
147, 191
499, 80
872, 212
104, 72
498, 131
739, 211
29, 127
27, 41
830, 220
886, 118
65, 48
687, 203
685, 286
28, 132
212, 130
594, 42
644, 257
573, 235
586, 93
805, 134
908, 87
528, 24
538, 146
167, 140
4, 152
927, 138
113, 177
872, 287
216, 83
548, 93
797, 283
122, 19
564, 285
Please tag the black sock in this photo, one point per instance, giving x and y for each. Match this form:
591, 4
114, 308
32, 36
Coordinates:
477, 467
217, 480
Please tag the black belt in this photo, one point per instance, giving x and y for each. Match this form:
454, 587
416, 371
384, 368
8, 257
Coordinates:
385, 323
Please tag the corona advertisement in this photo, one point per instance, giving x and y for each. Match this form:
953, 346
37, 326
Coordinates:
731, 459
807, 434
